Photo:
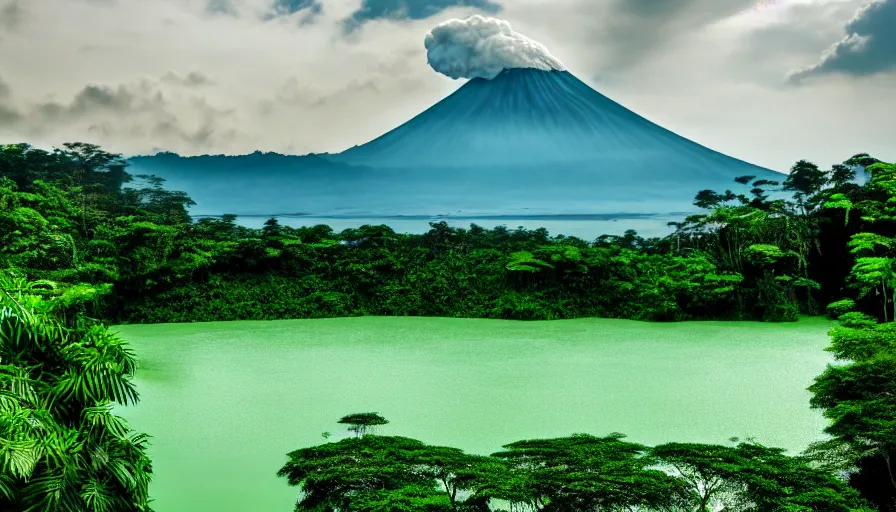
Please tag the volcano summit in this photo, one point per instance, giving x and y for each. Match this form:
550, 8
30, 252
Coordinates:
522, 108
522, 136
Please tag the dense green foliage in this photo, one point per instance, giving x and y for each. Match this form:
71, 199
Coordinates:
61, 448
75, 215
83, 240
579, 473
859, 398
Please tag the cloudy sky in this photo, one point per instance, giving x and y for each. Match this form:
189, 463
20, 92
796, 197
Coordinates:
770, 82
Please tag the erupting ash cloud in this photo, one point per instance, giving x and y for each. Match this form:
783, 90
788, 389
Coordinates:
483, 47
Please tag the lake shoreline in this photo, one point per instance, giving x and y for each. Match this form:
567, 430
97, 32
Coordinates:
801, 318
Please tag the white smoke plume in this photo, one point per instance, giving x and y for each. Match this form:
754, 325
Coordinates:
482, 47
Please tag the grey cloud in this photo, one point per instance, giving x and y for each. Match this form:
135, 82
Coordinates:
8, 115
294, 92
672, 12
12, 14
276, 9
765, 54
411, 9
221, 7
868, 48
310, 8
90, 99
207, 135
635, 27
392, 75
5, 91
191, 79
315, 102
807, 26
130, 111
99, 97
210, 132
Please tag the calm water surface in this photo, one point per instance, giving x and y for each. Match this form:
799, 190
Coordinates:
226, 401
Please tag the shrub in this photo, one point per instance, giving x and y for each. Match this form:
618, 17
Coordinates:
836, 309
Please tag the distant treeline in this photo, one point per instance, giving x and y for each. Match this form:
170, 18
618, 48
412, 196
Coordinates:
75, 215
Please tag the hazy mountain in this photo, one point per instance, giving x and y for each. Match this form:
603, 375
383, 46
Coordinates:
523, 143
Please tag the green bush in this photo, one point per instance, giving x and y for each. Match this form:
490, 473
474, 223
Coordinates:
857, 320
840, 307
781, 313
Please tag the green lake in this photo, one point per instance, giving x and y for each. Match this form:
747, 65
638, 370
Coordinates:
226, 401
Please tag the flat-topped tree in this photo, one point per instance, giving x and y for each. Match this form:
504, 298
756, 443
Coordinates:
806, 180
360, 422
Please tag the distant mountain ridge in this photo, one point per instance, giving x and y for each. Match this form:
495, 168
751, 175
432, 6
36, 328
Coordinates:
528, 142
267, 158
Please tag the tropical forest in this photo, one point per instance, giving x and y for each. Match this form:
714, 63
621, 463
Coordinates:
99, 266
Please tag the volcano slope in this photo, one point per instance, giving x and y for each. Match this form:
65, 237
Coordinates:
533, 117
527, 142
546, 142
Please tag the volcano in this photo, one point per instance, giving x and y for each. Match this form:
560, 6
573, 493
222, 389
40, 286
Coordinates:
536, 119
525, 143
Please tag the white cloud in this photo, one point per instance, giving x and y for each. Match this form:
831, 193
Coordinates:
482, 47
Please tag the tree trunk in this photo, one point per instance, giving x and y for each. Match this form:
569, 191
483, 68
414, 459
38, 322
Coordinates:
883, 286
894, 310
890, 470
84, 213
704, 503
